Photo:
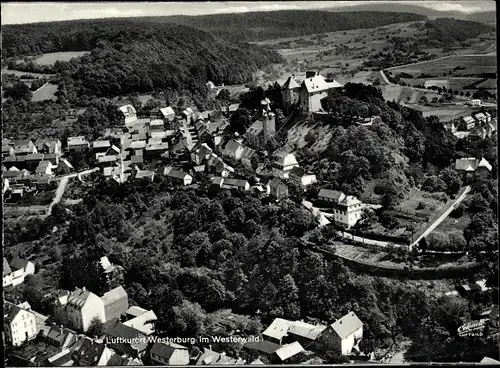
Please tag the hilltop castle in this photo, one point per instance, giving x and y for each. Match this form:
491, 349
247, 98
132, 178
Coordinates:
309, 93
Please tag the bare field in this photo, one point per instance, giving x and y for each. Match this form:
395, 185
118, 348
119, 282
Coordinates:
444, 113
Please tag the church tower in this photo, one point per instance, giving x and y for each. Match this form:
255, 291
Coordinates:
268, 122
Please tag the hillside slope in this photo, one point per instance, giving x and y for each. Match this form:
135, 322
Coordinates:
134, 56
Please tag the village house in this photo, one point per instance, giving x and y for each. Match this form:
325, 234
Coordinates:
347, 210
282, 331
129, 114
145, 174
44, 168
283, 164
115, 303
169, 354
7, 151
141, 319
32, 160
49, 145
59, 336
277, 189
471, 168
480, 118
466, 123
450, 126
215, 164
289, 353
101, 146
343, 335
299, 177
263, 350
167, 114
19, 324
53, 158
78, 308
133, 343
78, 144
90, 353
156, 125
177, 176
200, 155
24, 147
16, 271
230, 184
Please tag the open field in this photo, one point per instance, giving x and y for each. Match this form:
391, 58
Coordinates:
406, 94
444, 113
51, 58
451, 223
46, 92
19, 73
472, 64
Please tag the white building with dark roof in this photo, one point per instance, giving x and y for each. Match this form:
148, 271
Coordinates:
283, 164
129, 114
347, 210
19, 324
343, 335
313, 89
78, 308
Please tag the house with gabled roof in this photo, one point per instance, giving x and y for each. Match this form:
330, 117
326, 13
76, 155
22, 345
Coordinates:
301, 178
78, 308
145, 174
44, 168
466, 123
167, 113
24, 147
90, 353
283, 164
230, 184
59, 336
471, 168
19, 324
169, 354
7, 150
347, 210
78, 144
129, 114
287, 353
115, 303
277, 189
143, 320
178, 176
19, 269
342, 336
125, 339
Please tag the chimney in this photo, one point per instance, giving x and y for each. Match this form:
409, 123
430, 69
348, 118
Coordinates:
84, 289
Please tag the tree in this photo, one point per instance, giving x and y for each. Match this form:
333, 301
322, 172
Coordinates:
438, 241
452, 180
224, 95
96, 328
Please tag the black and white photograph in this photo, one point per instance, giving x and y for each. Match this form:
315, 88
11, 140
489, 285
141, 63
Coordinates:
249, 183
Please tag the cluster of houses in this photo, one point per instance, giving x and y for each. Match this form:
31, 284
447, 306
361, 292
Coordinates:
29, 165
479, 126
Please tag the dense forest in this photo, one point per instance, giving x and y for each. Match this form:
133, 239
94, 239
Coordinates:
259, 26
84, 35
129, 56
450, 30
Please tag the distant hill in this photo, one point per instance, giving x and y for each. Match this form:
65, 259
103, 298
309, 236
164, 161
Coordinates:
129, 56
482, 17
260, 26
450, 30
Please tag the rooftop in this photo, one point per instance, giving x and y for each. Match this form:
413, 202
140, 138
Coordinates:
347, 325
